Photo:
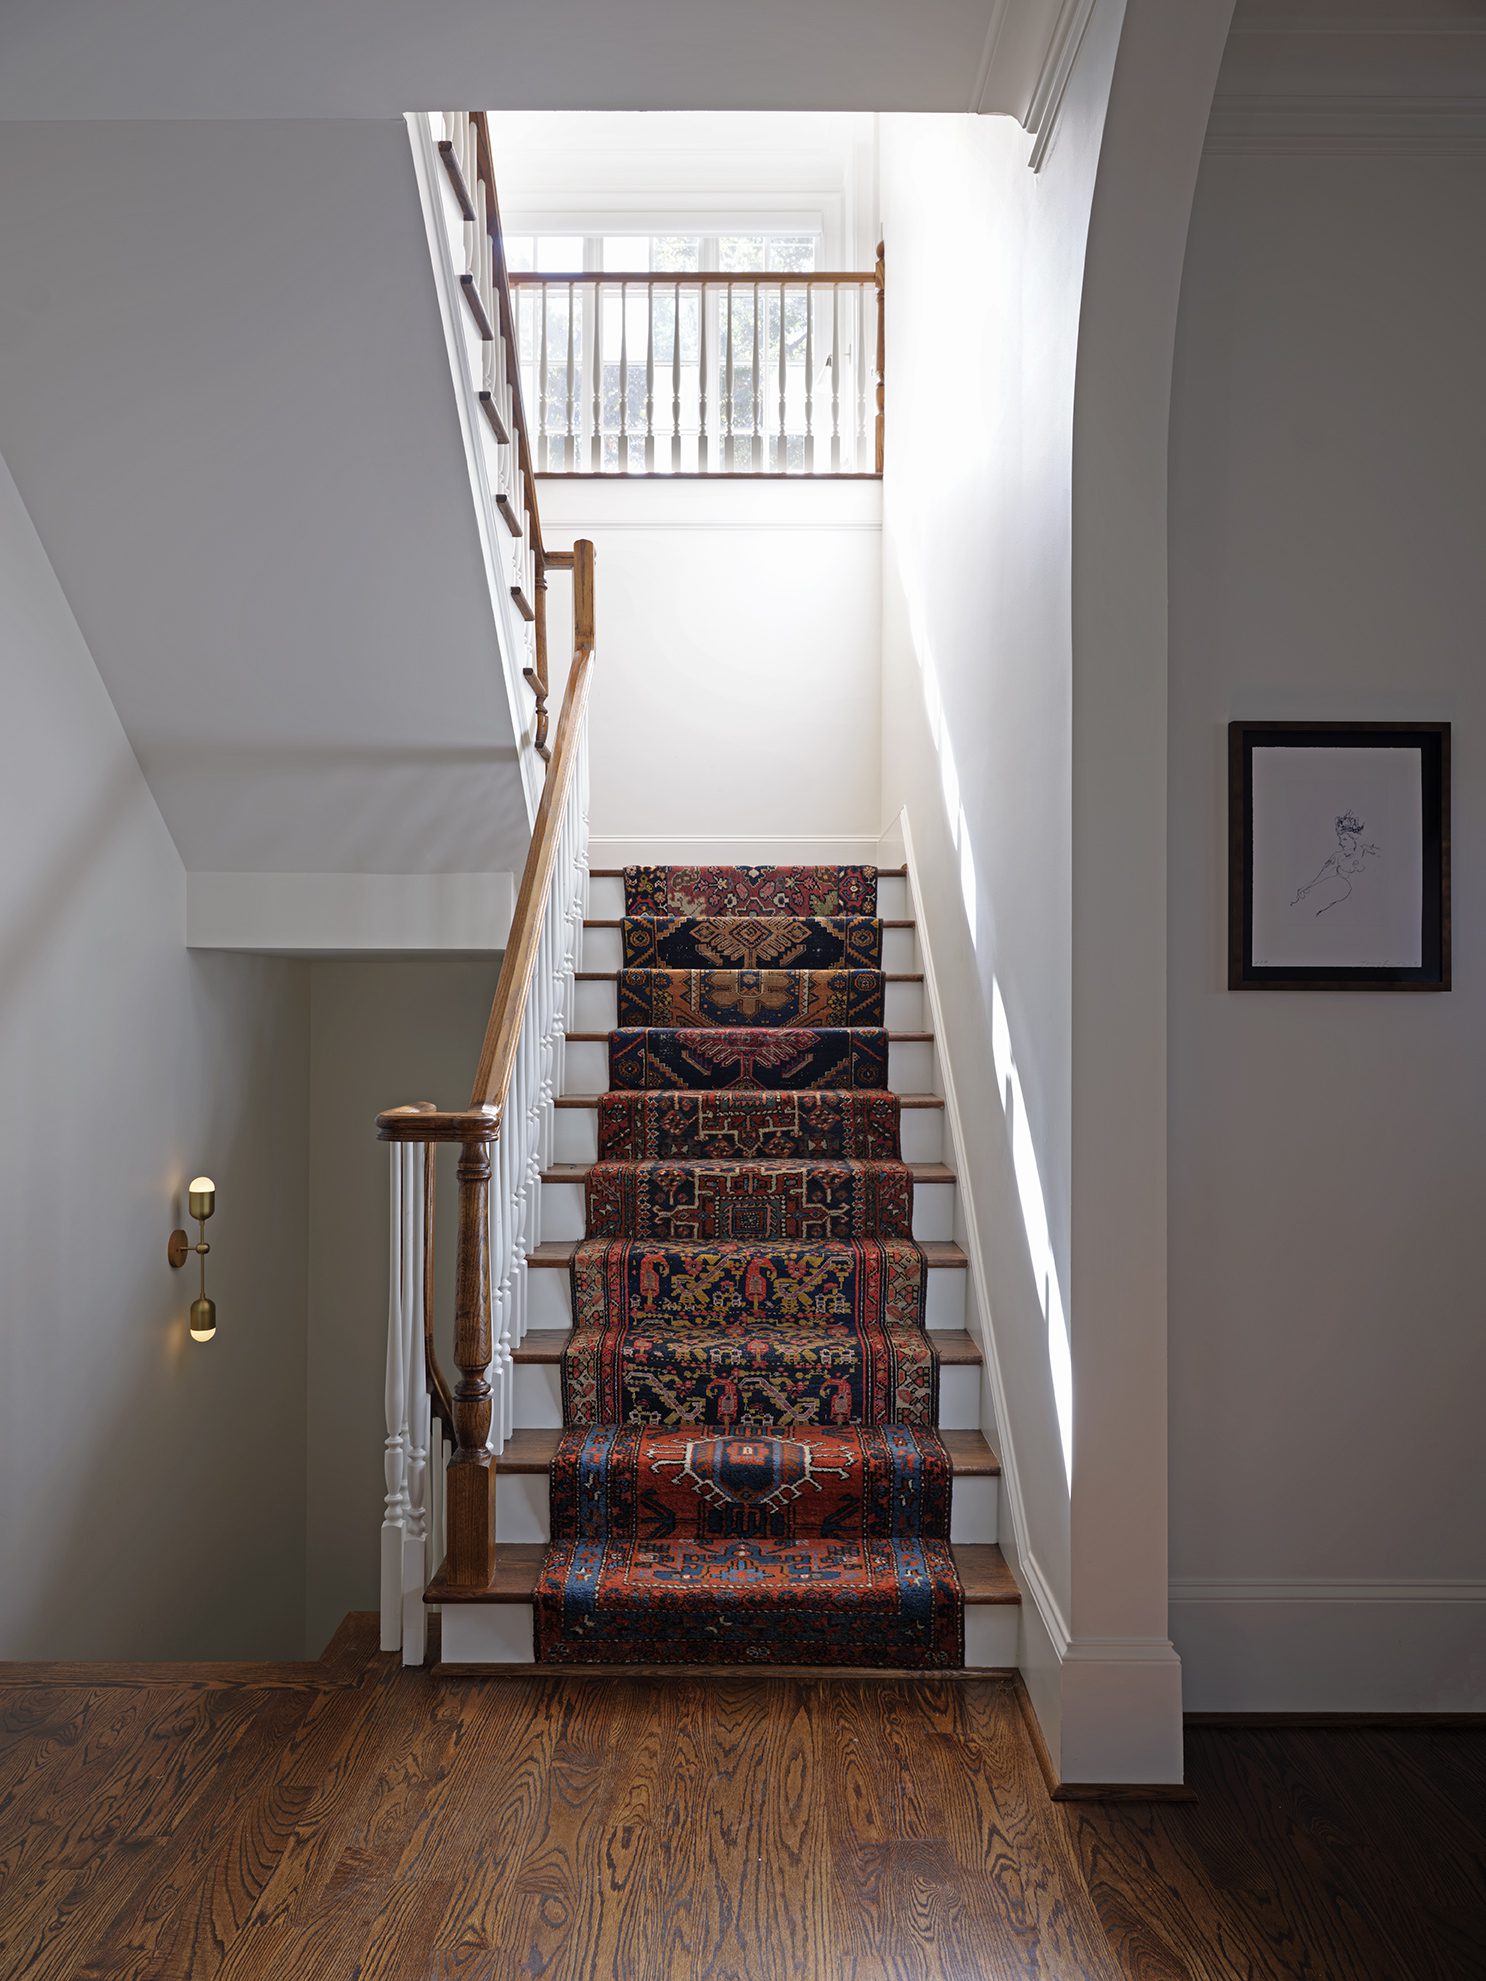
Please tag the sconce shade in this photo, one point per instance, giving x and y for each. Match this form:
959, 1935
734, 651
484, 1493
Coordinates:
201, 1195
203, 1319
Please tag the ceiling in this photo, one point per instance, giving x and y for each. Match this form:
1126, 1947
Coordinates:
377, 58
225, 398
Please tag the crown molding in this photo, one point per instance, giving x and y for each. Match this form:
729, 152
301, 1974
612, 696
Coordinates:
996, 22
1051, 83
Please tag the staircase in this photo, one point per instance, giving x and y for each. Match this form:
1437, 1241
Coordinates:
718, 1499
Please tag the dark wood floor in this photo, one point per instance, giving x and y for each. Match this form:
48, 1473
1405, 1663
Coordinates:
348, 1819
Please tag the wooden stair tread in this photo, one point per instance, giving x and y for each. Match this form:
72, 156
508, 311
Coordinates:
616, 922
559, 1252
883, 873
577, 1172
592, 1100
612, 976
530, 1450
983, 1574
955, 1348
894, 1038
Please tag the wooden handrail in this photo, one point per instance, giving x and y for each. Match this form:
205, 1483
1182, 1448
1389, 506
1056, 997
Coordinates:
709, 277
502, 1033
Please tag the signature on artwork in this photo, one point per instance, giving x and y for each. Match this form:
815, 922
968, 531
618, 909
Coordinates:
1333, 884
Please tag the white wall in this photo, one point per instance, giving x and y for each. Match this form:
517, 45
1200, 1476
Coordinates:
585, 171
1024, 732
381, 1033
735, 698
1328, 1358
155, 1505
977, 720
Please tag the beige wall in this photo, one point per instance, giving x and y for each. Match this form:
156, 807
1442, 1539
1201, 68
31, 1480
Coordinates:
381, 1033
153, 1492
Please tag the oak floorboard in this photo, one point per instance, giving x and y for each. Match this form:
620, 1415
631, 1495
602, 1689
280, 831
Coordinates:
387, 1825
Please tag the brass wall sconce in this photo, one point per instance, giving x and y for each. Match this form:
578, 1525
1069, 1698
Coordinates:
201, 1201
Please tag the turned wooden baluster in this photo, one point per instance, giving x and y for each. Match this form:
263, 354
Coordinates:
471, 1479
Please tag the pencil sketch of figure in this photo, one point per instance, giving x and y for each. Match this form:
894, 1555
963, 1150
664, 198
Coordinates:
1334, 882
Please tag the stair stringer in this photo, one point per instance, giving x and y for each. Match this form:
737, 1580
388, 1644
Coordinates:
1044, 1633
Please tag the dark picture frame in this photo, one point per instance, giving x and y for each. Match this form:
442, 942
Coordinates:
1346, 877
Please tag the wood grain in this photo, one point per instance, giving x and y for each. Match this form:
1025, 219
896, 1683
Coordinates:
349, 1818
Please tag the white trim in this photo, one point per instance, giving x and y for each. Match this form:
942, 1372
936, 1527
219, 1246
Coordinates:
349, 914
663, 526
1025, 1563
999, 11
510, 637
1324, 1589
753, 849
1051, 84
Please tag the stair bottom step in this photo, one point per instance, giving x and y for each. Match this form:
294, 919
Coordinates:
494, 1629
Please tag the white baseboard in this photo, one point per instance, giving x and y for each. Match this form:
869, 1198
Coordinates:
1330, 1646
758, 849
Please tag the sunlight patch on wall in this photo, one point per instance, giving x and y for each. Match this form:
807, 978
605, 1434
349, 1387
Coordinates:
1031, 1196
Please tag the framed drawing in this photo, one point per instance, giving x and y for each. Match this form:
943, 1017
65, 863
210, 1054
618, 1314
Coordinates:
1339, 855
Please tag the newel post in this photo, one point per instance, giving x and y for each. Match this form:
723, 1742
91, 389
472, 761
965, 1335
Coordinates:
470, 1501
879, 280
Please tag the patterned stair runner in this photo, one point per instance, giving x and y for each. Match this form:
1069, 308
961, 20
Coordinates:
749, 1471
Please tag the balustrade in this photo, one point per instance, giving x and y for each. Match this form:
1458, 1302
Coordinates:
768, 374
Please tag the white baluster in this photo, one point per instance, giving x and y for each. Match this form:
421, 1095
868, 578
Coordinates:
569, 458
676, 386
395, 1449
543, 449
596, 443
415, 1538
624, 378
650, 295
782, 462
704, 324
755, 387
835, 380
729, 459
809, 380
859, 438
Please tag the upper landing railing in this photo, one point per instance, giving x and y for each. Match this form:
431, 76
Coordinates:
703, 374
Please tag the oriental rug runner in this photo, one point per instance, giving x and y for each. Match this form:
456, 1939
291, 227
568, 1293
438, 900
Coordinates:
749, 1471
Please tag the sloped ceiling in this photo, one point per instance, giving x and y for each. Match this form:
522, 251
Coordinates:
225, 398
377, 58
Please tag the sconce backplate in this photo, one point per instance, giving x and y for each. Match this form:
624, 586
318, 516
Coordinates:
179, 1248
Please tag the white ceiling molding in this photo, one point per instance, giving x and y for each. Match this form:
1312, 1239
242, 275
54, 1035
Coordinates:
997, 21
1304, 84
1051, 84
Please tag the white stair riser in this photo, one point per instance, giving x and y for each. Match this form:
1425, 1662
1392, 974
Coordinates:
606, 898
538, 1397
549, 1295
992, 1636
562, 1213
597, 1007
603, 949
910, 1068
501, 1634
577, 1130
523, 1508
